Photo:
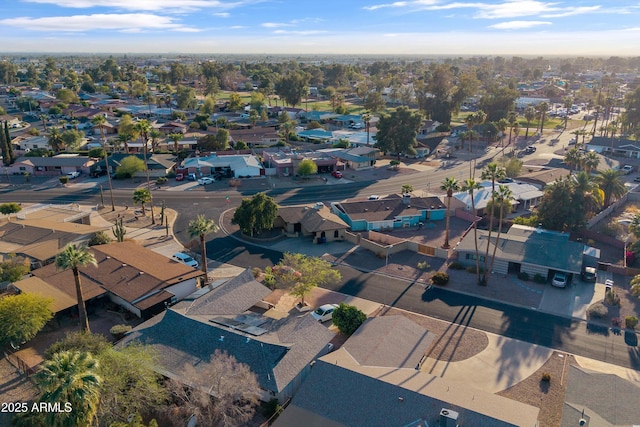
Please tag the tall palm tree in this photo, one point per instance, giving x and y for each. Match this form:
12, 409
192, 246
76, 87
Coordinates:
44, 118
502, 126
470, 121
450, 185
123, 139
542, 109
502, 196
73, 258
366, 118
201, 226
592, 197
470, 186
55, 140
590, 162
529, 115
479, 118
142, 128
512, 118
567, 102
573, 158
492, 172
100, 121
71, 376
154, 136
175, 137
609, 182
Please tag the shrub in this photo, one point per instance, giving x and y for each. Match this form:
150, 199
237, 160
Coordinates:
546, 377
424, 265
64, 180
270, 408
161, 180
523, 275
630, 322
598, 311
472, 269
440, 278
611, 297
118, 331
9, 208
348, 318
539, 278
456, 265
99, 238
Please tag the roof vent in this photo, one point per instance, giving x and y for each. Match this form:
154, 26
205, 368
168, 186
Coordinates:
221, 338
108, 257
124, 265
582, 422
448, 418
318, 205
400, 399
140, 273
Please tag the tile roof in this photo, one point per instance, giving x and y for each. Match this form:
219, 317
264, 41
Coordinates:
312, 219
604, 400
390, 341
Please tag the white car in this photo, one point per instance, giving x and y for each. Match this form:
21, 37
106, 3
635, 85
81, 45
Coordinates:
560, 279
626, 169
374, 197
324, 312
206, 180
72, 175
185, 259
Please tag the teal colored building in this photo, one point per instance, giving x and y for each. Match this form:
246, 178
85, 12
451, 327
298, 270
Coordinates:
393, 211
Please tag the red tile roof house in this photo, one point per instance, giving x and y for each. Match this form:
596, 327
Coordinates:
137, 279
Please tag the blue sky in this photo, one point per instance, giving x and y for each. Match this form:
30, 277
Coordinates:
442, 27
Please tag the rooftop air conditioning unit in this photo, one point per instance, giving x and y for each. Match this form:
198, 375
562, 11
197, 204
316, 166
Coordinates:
448, 418
318, 205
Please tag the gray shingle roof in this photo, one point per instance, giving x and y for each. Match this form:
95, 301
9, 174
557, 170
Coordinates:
389, 341
607, 400
389, 207
348, 398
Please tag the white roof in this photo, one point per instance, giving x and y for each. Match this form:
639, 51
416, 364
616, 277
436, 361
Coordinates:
521, 191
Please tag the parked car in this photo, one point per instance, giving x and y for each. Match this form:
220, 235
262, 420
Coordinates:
206, 180
73, 175
374, 197
626, 169
572, 141
336, 174
530, 149
185, 259
179, 177
636, 179
560, 279
98, 172
324, 312
192, 177
589, 274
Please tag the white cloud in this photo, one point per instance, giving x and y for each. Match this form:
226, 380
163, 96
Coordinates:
143, 5
123, 22
275, 24
222, 14
299, 33
516, 25
387, 5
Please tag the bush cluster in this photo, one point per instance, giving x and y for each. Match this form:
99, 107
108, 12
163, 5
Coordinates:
456, 265
523, 275
539, 278
631, 322
598, 311
424, 265
440, 278
611, 297
546, 377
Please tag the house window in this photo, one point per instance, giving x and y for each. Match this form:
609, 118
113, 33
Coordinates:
336, 234
472, 257
22, 168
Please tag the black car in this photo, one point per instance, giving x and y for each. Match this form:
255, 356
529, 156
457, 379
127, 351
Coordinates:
98, 172
530, 149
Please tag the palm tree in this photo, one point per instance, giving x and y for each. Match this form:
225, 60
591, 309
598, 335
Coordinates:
124, 138
470, 186
542, 109
450, 185
529, 115
142, 128
492, 172
73, 258
479, 118
100, 121
44, 118
175, 137
502, 196
366, 118
592, 196
502, 126
55, 140
200, 227
512, 118
573, 158
71, 376
470, 121
567, 102
142, 196
590, 161
154, 136
609, 182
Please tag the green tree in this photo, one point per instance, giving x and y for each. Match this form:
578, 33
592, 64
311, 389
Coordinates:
72, 258
255, 214
14, 268
529, 115
10, 154
292, 87
241, 145
96, 153
200, 227
10, 208
55, 140
541, 110
348, 318
590, 162
217, 142
573, 158
67, 96
307, 167
142, 128
450, 185
470, 186
142, 196
301, 273
609, 182
176, 138
72, 139
129, 166
22, 316
70, 377
492, 172
235, 101
407, 188
374, 102
559, 209
185, 97
99, 238
397, 131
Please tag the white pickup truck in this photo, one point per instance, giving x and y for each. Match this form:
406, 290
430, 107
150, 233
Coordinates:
72, 175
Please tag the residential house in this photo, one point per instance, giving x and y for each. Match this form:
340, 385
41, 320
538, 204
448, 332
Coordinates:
375, 380
11, 120
51, 166
158, 164
293, 113
315, 220
136, 278
596, 399
540, 179
237, 165
525, 197
319, 116
390, 212
265, 136
352, 160
315, 135
28, 143
617, 147
172, 127
525, 249
428, 126
277, 347
283, 163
